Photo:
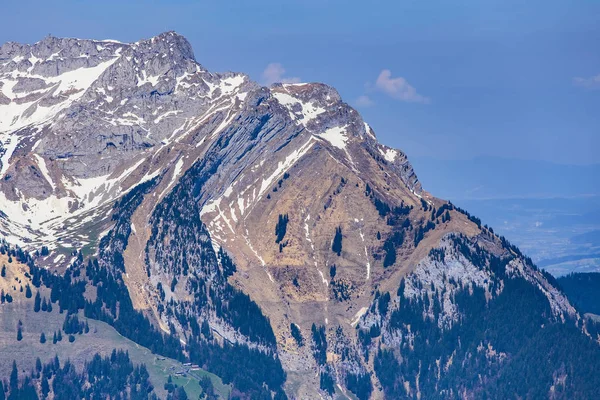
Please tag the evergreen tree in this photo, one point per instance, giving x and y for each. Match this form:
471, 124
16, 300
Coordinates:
45, 387
3, 273
14, 378
113, 377
59, 335
36, 306
43, 338
319, 337
19, 334
178, 394
281, 227
336, 246
54, 338
205, 329
332, 271
208, 389
28, 291
326, 383
390, 254
169, 386
44, 305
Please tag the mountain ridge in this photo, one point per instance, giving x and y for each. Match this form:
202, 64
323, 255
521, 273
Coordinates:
223, 214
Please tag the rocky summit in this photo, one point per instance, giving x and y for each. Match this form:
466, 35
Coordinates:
263, 234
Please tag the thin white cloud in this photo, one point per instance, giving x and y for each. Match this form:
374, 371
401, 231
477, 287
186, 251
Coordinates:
592, 82
398, 88
274, 73
363, 101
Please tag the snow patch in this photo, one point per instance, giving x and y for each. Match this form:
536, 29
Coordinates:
44, 169
389, 154
298, 109
336, 136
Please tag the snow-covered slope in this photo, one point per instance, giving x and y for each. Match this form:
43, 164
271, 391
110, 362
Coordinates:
82, 120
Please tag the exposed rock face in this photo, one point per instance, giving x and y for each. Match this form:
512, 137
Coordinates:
90, 118
289, 181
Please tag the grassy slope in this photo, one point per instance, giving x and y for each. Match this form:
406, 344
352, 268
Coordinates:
102, 339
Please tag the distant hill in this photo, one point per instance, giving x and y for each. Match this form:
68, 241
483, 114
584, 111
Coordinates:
583, 289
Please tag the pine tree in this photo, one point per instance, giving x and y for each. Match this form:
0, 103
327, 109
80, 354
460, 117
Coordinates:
45, 386
3, 273
296, 334
205, 329
281, 227
336, 246
19, 334
38, 364
36, 306
14, 378
43, 338
54, 338
28, 291
180, 394
2, 396
59, 335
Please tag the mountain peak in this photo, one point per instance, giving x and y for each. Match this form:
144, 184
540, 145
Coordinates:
170, 43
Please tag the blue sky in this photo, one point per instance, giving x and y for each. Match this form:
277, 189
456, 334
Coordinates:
450, 80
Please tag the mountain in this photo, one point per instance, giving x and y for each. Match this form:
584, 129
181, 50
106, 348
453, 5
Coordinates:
538, 205
263, 234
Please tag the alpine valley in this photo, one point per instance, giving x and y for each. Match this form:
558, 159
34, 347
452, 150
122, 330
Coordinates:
231, 240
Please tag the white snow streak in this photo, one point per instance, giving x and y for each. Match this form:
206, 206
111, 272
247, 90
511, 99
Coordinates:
336, 136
